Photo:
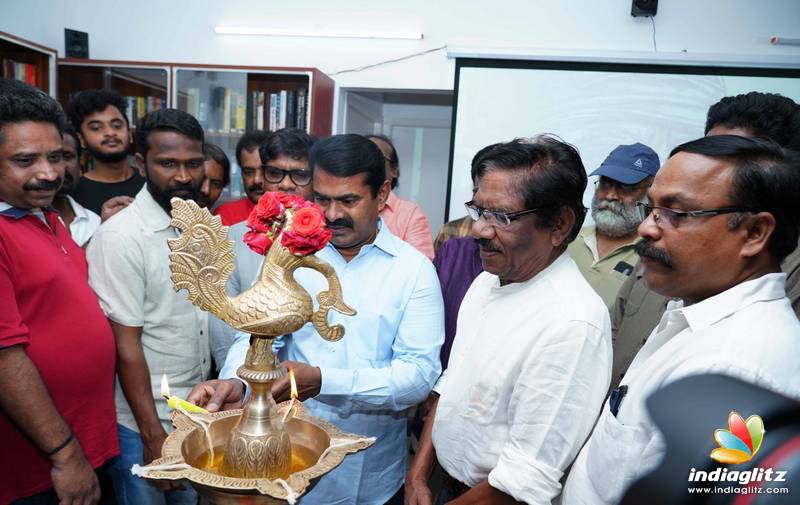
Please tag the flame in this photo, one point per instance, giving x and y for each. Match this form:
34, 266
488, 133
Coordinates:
164, 386
293, 383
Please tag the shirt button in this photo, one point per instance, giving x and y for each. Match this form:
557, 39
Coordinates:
201, 332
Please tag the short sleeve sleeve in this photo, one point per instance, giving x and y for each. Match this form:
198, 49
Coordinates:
116, 273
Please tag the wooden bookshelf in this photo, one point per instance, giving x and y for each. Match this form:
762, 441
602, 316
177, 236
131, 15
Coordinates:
203, 90
145, 85
269, 80
16, 52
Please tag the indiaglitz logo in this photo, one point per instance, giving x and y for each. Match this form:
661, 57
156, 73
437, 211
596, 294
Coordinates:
741, 441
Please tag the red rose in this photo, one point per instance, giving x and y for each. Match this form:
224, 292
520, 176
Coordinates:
307, 221
266, 211
290, 200
258, 242
304, 245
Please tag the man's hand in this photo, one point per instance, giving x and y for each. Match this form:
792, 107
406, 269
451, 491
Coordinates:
417, 492
308, 378
212, 394
114, 205
74, 480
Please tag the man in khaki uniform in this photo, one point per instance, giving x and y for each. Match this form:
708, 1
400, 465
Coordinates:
637, 309
604, 251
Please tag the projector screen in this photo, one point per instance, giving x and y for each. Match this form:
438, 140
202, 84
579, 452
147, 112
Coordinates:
594, 106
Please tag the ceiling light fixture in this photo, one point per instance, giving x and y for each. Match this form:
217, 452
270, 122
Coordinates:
280, 32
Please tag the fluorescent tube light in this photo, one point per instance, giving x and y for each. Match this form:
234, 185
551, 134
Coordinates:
280, 32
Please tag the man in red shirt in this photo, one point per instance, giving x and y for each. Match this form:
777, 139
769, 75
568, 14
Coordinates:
252, 178
56, 347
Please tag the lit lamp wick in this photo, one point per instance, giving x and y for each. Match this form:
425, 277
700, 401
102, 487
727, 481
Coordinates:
293, 395
174, 402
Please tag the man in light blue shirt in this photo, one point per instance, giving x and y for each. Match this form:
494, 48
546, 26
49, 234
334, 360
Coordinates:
388, 360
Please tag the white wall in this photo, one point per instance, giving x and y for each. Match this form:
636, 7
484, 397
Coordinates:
183, 31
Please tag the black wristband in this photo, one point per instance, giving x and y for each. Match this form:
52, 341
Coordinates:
61, 445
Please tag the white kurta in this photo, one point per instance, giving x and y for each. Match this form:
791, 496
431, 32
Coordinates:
528, 372
748, 332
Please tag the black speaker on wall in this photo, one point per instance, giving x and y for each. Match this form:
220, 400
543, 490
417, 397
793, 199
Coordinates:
644, 8
76, 44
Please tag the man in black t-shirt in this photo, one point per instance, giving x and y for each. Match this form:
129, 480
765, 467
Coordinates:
99, 118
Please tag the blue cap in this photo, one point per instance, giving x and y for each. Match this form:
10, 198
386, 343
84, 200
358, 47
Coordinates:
629, 164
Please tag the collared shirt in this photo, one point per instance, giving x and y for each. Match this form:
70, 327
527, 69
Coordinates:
604, 275
528, 372
406, 220
387, 361
748, 332
234, 212
48, 310
638, 309
129, 271
85, 223
453, 229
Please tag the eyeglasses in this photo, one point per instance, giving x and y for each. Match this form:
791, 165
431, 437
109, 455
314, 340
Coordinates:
606, 184
494, 218
275, 175
667, 218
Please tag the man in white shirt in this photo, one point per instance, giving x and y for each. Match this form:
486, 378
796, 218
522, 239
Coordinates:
719, 254
80, 221
157, 331
531, 360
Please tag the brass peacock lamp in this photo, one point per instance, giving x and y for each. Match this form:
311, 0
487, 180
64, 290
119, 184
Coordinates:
256, 448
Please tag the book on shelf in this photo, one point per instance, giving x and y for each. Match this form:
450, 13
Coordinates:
240, 113
20, 71
226, 110
302, 105
273, 109
283, 106
291, 108
260, 110
137, 106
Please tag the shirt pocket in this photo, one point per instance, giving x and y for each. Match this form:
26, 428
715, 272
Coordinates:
636, 297
614, 454
375, 344
481, 403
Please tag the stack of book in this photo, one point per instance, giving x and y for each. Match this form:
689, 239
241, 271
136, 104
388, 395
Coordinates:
20, 71
224, 110
286, 108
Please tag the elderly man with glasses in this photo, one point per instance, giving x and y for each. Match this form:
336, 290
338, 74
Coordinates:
720, 216
604, 251
531, 361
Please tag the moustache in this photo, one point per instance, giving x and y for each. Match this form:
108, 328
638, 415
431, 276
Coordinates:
113, 140
43, 185
646, 249
340, 223
186, 191
253, 188
487, 245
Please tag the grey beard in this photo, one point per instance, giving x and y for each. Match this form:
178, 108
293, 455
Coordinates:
614, 219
